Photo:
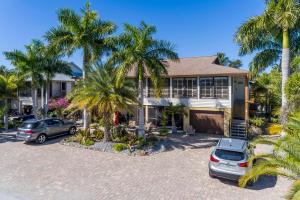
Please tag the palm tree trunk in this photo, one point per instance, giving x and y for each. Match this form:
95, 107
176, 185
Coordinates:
85, 66
5, 117
107, 135
42, 100
141, 129
46, 98
285, 62
33, 94
174, 128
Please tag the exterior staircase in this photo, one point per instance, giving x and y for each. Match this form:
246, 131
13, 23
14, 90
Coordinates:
238, 128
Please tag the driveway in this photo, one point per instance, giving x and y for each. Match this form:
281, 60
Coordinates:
53, 171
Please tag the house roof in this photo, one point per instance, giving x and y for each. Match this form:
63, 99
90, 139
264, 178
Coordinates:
197, 66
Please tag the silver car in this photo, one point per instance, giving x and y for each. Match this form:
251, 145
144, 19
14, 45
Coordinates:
229, 159
40, 130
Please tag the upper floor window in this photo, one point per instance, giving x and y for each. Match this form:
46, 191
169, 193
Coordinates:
207, 87
221, 87
184, 87
165, 88
214, 87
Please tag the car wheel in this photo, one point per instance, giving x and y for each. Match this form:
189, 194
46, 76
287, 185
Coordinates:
41, 138
72, 130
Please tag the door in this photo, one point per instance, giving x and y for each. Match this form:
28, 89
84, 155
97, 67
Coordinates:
53, 127
211, 122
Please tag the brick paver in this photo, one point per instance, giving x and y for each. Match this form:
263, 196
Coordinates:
54, 171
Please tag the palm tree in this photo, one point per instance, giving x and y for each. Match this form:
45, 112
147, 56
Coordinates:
100, 91
276, 29
235, 63
223, 59
29, 66
174, 110
283, 161
86, 32
52, 64
138, 50
8, 90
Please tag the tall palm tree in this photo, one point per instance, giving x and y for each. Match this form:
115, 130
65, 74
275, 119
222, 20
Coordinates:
29, 66
283, 161
101, 91
138, 50
52, 64
86, 32
8, 90
277, 28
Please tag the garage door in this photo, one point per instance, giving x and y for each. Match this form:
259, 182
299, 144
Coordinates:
211, 122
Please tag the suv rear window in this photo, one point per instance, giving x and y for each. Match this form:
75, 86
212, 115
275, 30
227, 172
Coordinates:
229, 155
30, 125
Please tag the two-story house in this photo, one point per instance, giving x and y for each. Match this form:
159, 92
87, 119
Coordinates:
215, 96
59, 86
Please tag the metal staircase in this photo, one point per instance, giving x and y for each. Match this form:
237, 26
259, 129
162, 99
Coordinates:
238, 129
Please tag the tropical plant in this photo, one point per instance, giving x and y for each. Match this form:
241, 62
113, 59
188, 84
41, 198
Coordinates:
8, 90
292, 90
52, 64
86, 32
100, 91
29, 65
138, 50
174, 110
272, 34
58, 106
283, 161
235, 63
223, 59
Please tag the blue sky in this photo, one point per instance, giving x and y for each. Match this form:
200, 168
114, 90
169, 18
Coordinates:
196, 27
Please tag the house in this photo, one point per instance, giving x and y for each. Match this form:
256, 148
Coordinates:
59, 86
215, 96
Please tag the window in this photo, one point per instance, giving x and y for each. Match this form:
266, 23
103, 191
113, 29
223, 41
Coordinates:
221, 87
165, 88
191, 87
207, 88
63, 86
184, 87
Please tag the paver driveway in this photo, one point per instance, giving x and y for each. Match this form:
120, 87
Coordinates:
54, 171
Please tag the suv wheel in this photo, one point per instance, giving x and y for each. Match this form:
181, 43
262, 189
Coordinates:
41, 138
72, 130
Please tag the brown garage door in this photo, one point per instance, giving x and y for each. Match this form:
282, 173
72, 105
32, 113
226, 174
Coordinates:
211, 122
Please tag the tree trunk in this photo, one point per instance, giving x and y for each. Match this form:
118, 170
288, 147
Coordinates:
85, 66
33, 94
174, 128
5, 117
46, 99
285, 62
107, 135
42, 101
141, 129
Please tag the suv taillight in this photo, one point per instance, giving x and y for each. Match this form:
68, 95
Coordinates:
244, 164
213, 159
29, 131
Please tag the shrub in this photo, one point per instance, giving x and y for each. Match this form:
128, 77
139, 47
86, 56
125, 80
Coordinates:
119, 147
118, 132
163, 132
87, 142
274, 129
257, 121
274, 120
98, 134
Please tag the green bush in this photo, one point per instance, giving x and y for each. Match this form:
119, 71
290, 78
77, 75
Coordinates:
98, 134
257, 121
119, 147
274, 120
292, 90
118, 132
87, 142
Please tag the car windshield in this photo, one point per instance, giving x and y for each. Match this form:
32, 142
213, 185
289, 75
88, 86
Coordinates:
229, 155
29, 125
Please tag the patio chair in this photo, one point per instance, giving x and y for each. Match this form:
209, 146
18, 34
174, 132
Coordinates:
190, 130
